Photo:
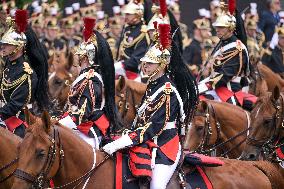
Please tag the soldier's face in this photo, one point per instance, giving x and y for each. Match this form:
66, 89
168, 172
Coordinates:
52, 33
223, 32
69, 31
251, 32
6, 49
281, 41
131, 19
148, 68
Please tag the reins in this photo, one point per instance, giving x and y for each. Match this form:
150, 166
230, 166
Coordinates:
6, 167
206, 136
41, 180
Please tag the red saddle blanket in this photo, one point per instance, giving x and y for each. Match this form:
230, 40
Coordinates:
201, 160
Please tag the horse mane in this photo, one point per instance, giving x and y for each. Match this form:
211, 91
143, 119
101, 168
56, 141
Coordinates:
270, 171
138, 87
216, 104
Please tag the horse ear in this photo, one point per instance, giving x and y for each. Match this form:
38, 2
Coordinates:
46, 121
70, 61
29, 117
121, 84
204, 105
275, 94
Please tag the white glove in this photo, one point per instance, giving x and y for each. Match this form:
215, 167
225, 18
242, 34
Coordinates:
122, 142
202, 87
119, 70
3, 124
68, 122
274, 41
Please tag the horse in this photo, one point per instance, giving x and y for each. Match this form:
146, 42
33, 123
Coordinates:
267, 135
59, 83
272, 79
128, 96
8, 157
218, 127
55, 152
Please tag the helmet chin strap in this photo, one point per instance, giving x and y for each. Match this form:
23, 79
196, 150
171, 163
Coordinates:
15, 51
161, 67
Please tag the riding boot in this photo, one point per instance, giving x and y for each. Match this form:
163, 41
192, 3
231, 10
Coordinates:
144, 183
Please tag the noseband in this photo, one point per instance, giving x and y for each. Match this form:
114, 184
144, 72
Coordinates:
208, 131
6, 167
41, 180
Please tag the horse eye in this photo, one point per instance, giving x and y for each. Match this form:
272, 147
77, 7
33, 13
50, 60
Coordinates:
267, 122
199, 128
40, 153
57, 81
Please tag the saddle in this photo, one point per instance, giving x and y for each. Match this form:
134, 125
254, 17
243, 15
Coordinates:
189, 174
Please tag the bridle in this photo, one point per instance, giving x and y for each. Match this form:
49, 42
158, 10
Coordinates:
41, 180
11, 163
208, 131
204, 147
270, 143
123, 102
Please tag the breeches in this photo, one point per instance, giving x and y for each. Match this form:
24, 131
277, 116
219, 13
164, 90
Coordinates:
162, 174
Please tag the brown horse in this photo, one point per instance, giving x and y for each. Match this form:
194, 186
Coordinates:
8, 157
128, 95
267, 135
218, 126
56, 152
272, 79
59, 83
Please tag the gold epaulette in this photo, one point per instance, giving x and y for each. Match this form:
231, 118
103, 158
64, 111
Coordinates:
27, 68
168, 88
267, 51
239, 45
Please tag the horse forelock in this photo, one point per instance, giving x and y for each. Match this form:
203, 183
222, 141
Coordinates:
136, 86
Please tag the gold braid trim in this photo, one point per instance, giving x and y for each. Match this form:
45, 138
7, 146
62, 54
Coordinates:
6, 85
226, 57
125, 44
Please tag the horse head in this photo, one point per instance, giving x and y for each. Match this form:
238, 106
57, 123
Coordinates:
266, 125
38, 157
128, 95
200, 136
60, 81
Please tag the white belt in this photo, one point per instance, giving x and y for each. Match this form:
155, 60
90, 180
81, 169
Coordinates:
237, 80
170, 125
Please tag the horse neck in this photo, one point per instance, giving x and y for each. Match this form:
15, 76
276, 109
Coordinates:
8, 146
78, 157
232, 121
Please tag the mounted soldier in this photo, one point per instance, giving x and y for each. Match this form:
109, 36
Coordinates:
229, 66
166, 109
273, 57
91, 106
134, 41
25, 75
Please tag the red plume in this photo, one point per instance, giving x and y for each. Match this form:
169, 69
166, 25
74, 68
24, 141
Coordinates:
154, 1
165, 35
232, 6
89, 24
21, 20
163, 7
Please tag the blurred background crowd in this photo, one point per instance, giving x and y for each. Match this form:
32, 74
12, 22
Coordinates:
58, 24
